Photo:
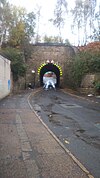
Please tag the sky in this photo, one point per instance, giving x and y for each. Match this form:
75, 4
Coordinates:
47, 8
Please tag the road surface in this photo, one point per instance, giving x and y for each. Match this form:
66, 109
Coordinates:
75, 121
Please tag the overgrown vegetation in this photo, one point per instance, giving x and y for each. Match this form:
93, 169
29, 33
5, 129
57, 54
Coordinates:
84, 62
16, 31
97, 86
18, 66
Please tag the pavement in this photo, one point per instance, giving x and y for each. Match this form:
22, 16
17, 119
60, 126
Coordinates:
28, 149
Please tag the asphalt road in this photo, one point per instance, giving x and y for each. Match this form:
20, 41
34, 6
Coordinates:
75, 121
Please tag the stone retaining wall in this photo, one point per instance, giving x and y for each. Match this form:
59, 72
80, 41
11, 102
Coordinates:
88, 83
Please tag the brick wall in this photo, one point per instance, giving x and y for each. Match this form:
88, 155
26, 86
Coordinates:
5, 77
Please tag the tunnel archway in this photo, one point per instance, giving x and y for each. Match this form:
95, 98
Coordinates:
50, 67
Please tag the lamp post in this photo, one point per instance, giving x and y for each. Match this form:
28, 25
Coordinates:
48, 61
52, 62
33, 72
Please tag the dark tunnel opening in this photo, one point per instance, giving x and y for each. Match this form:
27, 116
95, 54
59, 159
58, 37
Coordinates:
50, 67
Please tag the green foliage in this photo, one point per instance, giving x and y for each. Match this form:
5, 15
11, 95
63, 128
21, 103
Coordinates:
18, 66
27, 49
17, 35
23, 25
97, 86
30, 24
67, 42
15, 24
78, 71
16, 31
83, 63
52, 39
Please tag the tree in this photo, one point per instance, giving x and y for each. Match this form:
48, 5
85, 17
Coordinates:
67, 42
18, 66
96, 32
4, 20
83, 18
38, 15
92, 4
30, 24
17, 35
52, 39
59, 12
77, 14
89, 17
15, 23
86, 14
21, 27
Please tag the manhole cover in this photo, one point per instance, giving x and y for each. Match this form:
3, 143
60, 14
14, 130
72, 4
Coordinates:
97, 125
70, 106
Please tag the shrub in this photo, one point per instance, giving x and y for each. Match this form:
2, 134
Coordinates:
97, 86
83, 63
18, 66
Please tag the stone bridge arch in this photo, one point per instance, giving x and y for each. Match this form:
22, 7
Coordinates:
42, 52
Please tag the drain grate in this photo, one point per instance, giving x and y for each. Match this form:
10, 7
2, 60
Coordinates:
70, 106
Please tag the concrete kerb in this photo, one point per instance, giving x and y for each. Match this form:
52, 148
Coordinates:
54, 136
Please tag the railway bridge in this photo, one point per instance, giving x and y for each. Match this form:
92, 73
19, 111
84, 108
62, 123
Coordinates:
48, 57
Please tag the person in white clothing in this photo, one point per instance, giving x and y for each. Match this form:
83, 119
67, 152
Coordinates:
49, 83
